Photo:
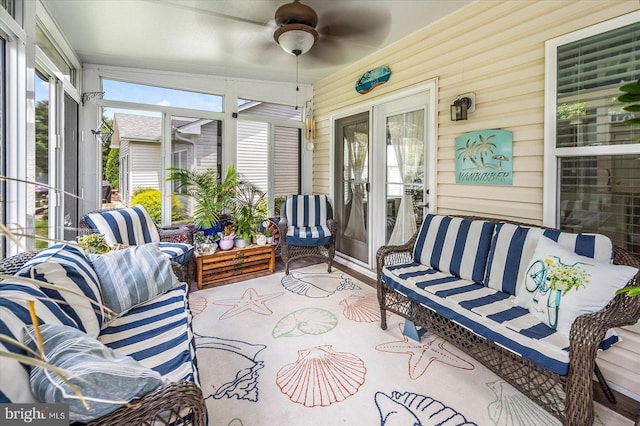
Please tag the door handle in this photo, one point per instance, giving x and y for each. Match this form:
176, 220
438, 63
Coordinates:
367, 187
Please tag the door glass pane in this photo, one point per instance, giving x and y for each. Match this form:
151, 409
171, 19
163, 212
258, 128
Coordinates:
352, 193
70, 167
42, 193
405, 175
601, 194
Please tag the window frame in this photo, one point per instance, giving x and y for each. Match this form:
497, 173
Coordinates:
552, 154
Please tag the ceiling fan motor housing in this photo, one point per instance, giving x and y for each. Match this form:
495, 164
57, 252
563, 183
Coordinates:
296, 13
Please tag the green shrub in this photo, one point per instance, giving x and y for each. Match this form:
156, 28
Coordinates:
112, 167
150, 199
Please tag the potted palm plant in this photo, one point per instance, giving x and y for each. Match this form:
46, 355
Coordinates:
249, 210
212, 198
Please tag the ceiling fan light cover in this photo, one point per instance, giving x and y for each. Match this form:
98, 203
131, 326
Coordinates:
296, 39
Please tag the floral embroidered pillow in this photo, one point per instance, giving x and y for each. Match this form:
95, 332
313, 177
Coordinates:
560, 285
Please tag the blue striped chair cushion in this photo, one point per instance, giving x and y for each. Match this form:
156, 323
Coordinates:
306, 210
104, 378
454, 245
488, 313
129, 226
14, 316
178, 252
133, 275
158, 334
512, 248
67, 268
308, 236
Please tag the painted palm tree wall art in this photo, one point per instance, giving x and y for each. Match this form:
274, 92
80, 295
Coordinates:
484, 157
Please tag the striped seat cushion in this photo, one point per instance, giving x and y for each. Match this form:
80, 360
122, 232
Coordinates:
178, 252
487, 312
14, 316
157, 334
513, 246
77, 287
454, 245
129, 226
308, 235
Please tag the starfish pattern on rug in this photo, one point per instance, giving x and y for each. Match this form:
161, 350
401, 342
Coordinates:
250, 301
422, 354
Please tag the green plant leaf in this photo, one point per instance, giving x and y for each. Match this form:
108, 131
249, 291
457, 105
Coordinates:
631, 87
632, 108
629, 97
633, 122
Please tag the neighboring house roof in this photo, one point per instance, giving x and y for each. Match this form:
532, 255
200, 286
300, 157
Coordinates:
136, 128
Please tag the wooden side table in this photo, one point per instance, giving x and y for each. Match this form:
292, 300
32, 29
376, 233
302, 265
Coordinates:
224, 265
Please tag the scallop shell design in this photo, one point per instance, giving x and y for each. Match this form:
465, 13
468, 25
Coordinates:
511, 408
410, 408
311, 321
361, 308
321, 376
316, 285
197, 304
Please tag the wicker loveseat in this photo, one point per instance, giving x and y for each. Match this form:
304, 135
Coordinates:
462, 279
154, 335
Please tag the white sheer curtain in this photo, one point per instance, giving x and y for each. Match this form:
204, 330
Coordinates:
406, 132
357, 156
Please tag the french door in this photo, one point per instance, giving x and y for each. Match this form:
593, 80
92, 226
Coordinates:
381, 184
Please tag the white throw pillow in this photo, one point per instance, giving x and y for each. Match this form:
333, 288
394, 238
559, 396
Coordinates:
560, 285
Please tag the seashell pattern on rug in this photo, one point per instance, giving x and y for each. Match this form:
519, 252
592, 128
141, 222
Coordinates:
197, 304
313, 321
408, 408
321, 376
316, 285
361, 308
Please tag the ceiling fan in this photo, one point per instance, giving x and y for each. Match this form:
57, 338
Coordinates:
297, 31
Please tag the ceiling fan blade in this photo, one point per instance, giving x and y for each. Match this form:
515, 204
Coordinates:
370, 28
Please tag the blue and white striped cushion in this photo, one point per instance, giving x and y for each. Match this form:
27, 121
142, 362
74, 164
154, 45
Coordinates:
158, 334
178, 252
513, 246
133, 275
454, 245
308, 236
67, 268
488, 313
14, 316
104, 378
130, 226
306, 210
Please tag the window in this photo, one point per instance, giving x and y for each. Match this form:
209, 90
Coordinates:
592, 172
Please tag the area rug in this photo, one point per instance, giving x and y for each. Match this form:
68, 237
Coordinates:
307, 349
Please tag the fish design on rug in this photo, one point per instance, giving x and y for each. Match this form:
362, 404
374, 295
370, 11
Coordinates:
321, 376
512, 408
361, 308
232, 367
313, 321
316, 285
197, 304
408, 408
250, 301
421, 354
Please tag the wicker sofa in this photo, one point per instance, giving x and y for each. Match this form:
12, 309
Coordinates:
155, 332
462, 279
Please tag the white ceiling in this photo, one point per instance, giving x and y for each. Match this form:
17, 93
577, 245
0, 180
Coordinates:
235, 37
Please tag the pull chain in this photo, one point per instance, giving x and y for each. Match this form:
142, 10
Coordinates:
297, 85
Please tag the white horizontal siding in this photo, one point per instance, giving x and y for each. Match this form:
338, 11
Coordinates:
286, 161
144, 159
252, 152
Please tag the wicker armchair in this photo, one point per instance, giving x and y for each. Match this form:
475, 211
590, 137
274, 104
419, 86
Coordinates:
172, 234
174, 403
307, 229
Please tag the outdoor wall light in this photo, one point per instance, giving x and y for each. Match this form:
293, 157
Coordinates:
462, 105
